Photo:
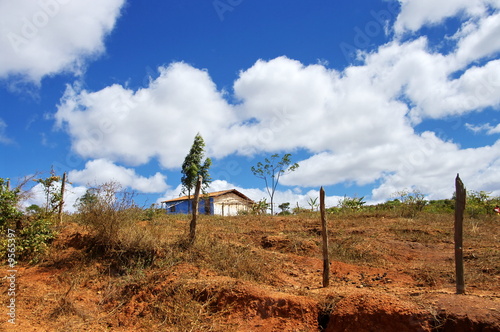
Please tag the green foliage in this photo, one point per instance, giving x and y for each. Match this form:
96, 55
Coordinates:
299, 210
9, 199
52, 192
260, 207
271, 171
34, 240
32, 235
152, 213
412, 202
479, 203
441, 206
333, 210
391, 205
285, 208
34, 210
351, 203
313, 203
193, 167
87, 201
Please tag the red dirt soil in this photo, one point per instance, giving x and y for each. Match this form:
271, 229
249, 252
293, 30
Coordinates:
52, 296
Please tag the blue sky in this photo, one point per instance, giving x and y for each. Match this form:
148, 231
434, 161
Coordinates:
369, 97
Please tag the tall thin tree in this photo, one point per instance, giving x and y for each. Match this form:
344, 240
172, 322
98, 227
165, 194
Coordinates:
194, 166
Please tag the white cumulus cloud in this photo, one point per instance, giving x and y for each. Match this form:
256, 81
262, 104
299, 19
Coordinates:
46, 37
417, 13
101, 171
158, 121
357, 125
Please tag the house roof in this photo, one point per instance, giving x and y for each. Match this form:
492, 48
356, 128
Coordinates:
212, 194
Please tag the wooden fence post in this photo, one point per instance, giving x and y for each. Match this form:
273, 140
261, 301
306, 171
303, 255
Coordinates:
324, 232
61, 202
192, 226
460, 195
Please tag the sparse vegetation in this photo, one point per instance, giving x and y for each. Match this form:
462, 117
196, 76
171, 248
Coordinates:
9, 210
412, 202
146, 278
271, 171
33, 231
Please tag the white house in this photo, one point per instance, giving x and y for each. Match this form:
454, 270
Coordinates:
223, 203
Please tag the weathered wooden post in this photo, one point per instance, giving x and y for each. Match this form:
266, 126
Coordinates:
192, 226
61, 202
324, 232
460, 196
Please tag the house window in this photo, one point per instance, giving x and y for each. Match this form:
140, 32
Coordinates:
172, 209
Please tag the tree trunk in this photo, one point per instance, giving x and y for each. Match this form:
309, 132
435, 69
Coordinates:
61, 203
192, 226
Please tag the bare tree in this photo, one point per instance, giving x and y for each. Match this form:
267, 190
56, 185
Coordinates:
271, 171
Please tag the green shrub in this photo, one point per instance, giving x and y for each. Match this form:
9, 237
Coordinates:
9, 199
412, 203
34, 239
479, 203
441, 206
349, 204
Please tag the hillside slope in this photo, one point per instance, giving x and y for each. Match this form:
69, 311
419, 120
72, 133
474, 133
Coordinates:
263, 273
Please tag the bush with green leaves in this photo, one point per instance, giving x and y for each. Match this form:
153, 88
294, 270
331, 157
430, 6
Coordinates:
260, 207
412, 202
9, 200
33, 234
34, 239
52, 192
351, 203
152, 213
441, 206
285, 209
480, 203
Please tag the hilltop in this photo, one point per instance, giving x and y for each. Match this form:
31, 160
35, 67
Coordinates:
264, 273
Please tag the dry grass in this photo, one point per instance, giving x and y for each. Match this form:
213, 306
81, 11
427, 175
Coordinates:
149, 272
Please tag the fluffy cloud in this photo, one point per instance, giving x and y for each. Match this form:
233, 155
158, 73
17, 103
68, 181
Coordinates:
433, 171
101, 171
39, 38
417, 13
412, 71
158, 121
357, 125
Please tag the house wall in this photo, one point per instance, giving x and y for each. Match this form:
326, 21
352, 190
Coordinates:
184, 207
229, 205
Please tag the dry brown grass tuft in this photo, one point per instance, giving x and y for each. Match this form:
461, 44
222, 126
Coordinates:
149, 280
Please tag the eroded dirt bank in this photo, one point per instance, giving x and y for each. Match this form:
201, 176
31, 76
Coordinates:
262, 275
